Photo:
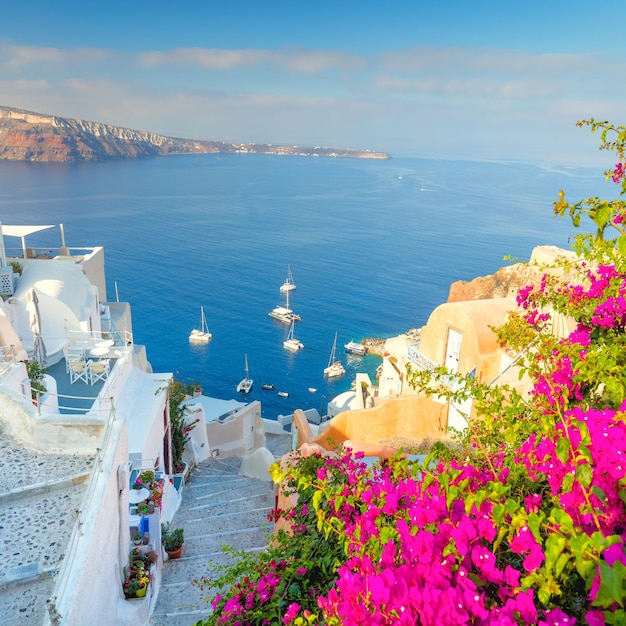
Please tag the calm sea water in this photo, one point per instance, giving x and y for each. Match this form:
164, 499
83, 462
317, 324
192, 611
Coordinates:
373, 246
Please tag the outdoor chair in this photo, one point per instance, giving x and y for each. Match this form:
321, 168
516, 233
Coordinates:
78, 371
72, 353
98, 370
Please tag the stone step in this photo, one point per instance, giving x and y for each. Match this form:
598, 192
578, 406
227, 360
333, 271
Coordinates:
219, 507
208, 488
224, 522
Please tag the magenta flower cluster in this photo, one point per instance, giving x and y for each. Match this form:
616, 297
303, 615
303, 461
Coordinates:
473, 543
527, 531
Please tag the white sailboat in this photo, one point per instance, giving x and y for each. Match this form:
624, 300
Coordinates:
201, 335
246, 384
288, 285
291, 343
335, 368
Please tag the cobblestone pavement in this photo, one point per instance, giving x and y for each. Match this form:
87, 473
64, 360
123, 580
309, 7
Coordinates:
38, 499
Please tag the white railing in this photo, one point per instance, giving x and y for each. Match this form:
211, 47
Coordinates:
90, 339
418, 359
97, 405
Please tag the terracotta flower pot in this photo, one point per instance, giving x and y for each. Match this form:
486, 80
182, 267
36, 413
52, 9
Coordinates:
174, 554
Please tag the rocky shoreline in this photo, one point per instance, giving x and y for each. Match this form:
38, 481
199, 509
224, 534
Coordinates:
378, 346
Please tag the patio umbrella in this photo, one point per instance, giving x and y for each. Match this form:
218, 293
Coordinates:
32, 306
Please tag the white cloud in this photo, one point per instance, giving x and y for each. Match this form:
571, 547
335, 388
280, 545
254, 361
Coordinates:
203, 57
16, 58
490, 60
296, 59
471, 87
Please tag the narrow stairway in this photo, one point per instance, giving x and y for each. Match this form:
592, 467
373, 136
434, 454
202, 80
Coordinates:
218, 507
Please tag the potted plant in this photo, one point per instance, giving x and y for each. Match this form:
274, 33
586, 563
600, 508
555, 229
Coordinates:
150, 557
36, 371
137, 561
131, 586
178, 411
146, 477
136, 585
137, 538
173, 540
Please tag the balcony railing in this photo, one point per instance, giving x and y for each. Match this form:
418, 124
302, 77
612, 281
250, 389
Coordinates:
420, 361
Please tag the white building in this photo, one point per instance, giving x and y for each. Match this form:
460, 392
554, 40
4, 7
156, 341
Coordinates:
69, 457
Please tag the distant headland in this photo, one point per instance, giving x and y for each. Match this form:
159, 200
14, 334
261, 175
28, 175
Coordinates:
29, 136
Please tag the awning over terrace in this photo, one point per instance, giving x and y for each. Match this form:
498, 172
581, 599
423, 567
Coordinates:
17, 231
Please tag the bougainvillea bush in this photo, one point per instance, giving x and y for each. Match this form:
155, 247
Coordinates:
522, 524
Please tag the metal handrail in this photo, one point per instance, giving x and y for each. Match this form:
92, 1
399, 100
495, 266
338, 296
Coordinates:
418, 359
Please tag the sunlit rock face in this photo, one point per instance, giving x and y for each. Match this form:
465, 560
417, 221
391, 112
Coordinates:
508, 280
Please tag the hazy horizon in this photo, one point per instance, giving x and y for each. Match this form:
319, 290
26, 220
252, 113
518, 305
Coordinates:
490, 81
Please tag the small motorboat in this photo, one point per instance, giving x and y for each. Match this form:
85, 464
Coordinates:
267, 386
312, 389
283, 394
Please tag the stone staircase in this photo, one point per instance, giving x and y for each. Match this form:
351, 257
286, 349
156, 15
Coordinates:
218, 507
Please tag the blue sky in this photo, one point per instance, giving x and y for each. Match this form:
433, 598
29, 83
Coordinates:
455, 79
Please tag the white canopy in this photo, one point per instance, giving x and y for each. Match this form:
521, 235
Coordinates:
22, 232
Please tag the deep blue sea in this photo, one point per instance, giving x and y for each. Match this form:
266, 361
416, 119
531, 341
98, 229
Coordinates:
373, 247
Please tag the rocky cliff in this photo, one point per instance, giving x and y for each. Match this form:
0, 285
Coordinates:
29, 136
508, 280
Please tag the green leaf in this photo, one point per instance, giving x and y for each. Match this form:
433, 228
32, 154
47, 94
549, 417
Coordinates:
561, 518
499, 511
553, 550
511, 506
567, 483
562, 449
387, 533
583, 452
317, 498
603, 214
584, 474
534, 523
599, 493
560, 564
611, 589
621, 245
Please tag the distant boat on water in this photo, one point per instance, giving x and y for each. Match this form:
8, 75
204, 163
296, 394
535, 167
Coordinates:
291, 343
201, 335
288, 285
283, 394
267, 386
355, 348
284, 313
335, 368
246, 384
